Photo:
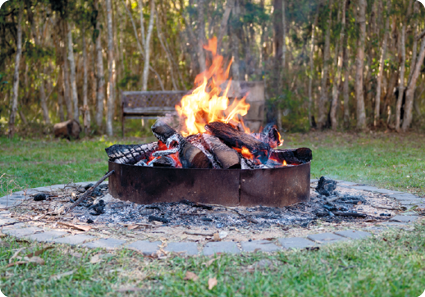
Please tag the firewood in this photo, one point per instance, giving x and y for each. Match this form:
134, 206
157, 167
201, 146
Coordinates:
189, 155
292, 156
235, 138
70, 129
164, 161
269, 135
131, 154
224, 155
198, 141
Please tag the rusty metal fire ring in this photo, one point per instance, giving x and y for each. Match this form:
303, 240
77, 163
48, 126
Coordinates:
276, 187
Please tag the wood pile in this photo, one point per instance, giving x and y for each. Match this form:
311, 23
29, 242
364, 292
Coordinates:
223, 146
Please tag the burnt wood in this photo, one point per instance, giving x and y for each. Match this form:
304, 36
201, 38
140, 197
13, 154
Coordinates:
189, 155
224, 155
292, 156
235, 138
269, 135
131, 154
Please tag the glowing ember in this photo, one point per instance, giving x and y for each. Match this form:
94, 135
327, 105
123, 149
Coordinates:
205, 104
284, 163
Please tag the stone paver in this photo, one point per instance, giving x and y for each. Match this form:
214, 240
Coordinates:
106, 243
22, 232
227, 247
47, 236
4, 221
387, 192
74, 239
145, 247
403, 219
326, 238
189, 248
353, 234
296, 243
259, 245
346, 184
365, 188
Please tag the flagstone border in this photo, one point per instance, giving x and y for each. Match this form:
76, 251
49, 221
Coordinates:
18, 229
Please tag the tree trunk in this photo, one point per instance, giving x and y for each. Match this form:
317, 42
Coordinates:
310, 79
111, 69
326, 56
401, 84
15, 87
415, 42
346, 91
223, 27
407, 119
86, 109
72, 76
201, 35
99, 77
60, 95
147, 47
283, 38
381, 68
360, 110
337, 80
235, 45
67, 95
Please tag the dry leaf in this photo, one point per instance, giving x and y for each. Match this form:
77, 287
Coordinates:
15, 255
210, 262
95, 259
76, 255
16, 263
216, 237
2, 235
212, 282
79, 227
191, 276
39, 252
59, 276
36, 260
131, 227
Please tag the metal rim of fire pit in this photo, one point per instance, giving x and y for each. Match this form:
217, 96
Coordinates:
275, 187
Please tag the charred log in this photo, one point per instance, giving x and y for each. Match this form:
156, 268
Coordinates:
292, 156
269, 135
235, 138
224, 155
198, 141
189, 155
164, 161
131, 154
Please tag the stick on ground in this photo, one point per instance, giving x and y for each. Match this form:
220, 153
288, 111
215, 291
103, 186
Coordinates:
89, 191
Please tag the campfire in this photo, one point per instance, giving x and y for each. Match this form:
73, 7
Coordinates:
212, 135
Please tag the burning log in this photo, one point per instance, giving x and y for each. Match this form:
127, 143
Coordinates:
269, 135
224, 155
131, 154
198, 141
189, 155
235, 138
292, 156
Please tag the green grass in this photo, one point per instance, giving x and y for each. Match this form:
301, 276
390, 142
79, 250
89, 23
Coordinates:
392, 161
373, 267
391, 264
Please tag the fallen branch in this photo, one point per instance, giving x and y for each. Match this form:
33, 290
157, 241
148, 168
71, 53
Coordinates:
89, 191
349, 214
200, 234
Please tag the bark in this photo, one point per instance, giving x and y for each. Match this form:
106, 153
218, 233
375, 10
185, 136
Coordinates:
86, 109
66, 86
139, 46
310, 79
326, 56
283, 37
38, 43
201, 36
15, 87
111, 69
407, 118
381, 67
346, 91
72, 75
147, 47
223, 26
401, 84
100, 95
415, 43
337, 80
360, 109
60, 95
235, 45
167, 52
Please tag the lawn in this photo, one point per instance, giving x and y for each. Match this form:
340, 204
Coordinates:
391, 264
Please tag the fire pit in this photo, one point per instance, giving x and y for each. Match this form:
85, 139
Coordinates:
214, 158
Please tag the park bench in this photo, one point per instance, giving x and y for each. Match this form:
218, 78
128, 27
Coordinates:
148, 104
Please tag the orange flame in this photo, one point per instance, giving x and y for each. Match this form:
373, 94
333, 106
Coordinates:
205, 105
284, 163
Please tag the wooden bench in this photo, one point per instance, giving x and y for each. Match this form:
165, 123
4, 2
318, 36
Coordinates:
149, 104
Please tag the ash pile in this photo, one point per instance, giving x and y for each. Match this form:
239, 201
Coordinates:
326, 204
222, 146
